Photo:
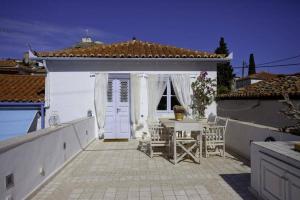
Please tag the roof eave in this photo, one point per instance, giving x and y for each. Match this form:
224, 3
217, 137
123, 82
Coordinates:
226, 59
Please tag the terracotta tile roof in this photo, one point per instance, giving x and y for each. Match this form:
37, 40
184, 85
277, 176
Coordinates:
130, 49
22, 88
260, 76
8, 63
272, 88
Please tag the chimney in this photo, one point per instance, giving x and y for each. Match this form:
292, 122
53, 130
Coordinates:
26, 58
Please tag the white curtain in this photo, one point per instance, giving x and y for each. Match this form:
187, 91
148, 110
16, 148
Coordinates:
135, 94
100, 99
156, 87
182, 87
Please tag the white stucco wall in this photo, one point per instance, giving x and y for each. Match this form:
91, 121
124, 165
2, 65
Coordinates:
70, 84
71, 95
27, 156
239, 136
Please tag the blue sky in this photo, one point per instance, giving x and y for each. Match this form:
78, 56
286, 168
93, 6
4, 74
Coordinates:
269, 29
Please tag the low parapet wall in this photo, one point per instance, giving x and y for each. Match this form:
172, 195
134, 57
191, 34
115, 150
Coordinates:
26, 162
239, 136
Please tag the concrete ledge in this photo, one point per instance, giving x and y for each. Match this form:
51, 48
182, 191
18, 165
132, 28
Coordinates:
34, 158
8, 144
240, 135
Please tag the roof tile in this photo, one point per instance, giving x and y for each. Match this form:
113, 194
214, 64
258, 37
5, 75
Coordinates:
271, 88
22, 88
130, 49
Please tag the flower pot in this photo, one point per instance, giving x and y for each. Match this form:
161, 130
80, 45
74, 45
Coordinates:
179, 116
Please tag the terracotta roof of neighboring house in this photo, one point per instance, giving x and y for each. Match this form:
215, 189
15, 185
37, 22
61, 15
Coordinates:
22, 88
272, 88
8, 63
260, 76
130, 49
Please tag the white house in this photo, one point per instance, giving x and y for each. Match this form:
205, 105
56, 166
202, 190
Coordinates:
123, 84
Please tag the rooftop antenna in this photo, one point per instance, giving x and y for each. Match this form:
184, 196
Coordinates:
87, 38
29, 46
244, 65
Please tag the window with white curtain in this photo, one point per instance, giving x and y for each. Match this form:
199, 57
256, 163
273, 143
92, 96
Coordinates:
168, 99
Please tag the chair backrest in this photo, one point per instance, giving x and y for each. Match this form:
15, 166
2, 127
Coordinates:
186, 128
217, 132
211, 119
156, 132
222, 122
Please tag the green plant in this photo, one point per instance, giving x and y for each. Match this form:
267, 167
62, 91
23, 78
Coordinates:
224, 70
292, 112
222, 90
179, 109
203, 94
251, 69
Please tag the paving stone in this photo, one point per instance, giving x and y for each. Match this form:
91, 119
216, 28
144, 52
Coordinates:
117, 170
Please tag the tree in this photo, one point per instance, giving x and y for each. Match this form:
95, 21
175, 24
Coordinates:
251, 69
224, 70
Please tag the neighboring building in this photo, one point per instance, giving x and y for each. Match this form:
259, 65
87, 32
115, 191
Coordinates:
259, 102
11, 66
123, 74
253, 78
21, 104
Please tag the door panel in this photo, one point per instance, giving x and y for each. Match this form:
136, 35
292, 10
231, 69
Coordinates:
273, 183
293, 187
117, 116
110, 112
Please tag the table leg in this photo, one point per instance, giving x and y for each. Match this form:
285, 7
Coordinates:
174, 148
200, 146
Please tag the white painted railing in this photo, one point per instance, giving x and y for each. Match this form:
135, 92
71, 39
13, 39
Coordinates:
239, 136
30, 160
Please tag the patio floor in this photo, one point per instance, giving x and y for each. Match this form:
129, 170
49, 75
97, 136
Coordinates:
117, 170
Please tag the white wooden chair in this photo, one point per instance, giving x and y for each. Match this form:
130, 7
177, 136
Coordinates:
189, 144
210, 121
214, 138
158, 138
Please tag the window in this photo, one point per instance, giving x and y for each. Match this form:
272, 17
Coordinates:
168, 99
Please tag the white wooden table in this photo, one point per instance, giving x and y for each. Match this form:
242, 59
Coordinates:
169, 124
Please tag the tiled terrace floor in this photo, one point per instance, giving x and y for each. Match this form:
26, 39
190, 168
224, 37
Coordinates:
116, 170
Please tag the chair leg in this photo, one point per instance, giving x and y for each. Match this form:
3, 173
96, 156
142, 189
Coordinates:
174, 153
224, 151
151, 151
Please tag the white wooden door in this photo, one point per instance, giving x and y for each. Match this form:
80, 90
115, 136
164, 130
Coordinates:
117, 124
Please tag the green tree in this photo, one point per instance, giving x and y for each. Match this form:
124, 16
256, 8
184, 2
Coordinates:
224, 70
251, 69
203, 94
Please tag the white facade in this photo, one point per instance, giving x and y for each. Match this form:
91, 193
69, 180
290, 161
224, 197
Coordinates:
70, 83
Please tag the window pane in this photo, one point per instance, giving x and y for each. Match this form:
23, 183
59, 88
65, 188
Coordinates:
165, 92
172, 89
174, 102
162, 104
124, 91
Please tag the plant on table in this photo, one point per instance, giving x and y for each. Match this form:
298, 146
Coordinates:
179, 112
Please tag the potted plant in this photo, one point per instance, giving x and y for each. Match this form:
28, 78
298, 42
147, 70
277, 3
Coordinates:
203, 94
179, 112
